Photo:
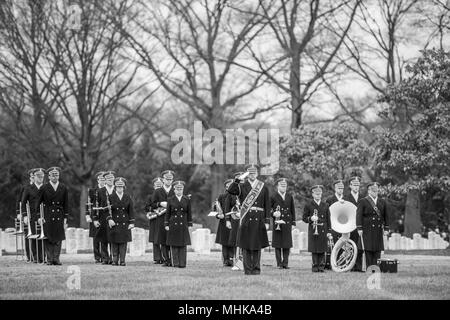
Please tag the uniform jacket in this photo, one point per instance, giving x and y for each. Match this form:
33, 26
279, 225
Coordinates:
252, 233
372, 223
56, 209
151, 223
283, 238
223, 233
102, 231
32, 195
317, 243
178, 218
123, 216
160, 195
94, 198
229, 203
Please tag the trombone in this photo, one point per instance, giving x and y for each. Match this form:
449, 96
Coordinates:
18, 224
30, 233
42, 236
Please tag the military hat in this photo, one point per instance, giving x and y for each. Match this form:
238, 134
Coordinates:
178, 184
317, 186
100, 175
282, 180
227, 182
30, 172
370, 184
120, 182
53, 170
109, 174
355, 180
238, 174
156, 180
339, 183
252, 167
39, 171
167, 174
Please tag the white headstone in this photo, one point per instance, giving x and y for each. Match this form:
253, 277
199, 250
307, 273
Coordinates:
417, 241
87, 241
296, 240
71, 241
137, 247
9, 240
193, 234
63, 245
1, 242
303, 241
203, 241
148, 244
404, 243
270, 236
386, 243
79, 239
392, 244
212, 241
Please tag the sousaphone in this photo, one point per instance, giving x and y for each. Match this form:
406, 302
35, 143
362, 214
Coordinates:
345, 251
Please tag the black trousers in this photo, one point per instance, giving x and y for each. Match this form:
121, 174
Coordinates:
165, 253
119, 250
53, 251
97, 249
318, 261
251, 261
372, 257
228, 255
104, 250
38, 252
282, 256
157, 253
179, 256
358, 263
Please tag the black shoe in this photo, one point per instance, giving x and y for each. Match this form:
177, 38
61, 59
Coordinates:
57, 263
98, 261
181, 266
49, 263
115, 263
110, 262
157, 262
105, 262
123, 264
286, 267
280, 267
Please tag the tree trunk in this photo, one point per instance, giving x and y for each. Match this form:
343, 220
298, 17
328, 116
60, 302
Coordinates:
413, 222
83, 201
294, 86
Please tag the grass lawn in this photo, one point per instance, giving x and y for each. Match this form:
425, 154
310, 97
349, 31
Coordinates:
419, 277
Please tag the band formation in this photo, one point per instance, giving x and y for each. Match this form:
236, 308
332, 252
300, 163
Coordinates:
244, 209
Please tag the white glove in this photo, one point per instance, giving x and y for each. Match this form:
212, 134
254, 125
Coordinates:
130, 226
96, 224
88, 219
25, 220
111, 223
277, 214
386, 233
243, 176
40, 222
163, 204
19, 217
314, 218
360, 232
329, 236
167, 228
267, 226
220, 216
342, 201
228, 224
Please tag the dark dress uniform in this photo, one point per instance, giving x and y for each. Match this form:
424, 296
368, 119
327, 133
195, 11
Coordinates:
371, 223
230, 202
317, 244
102, 231
160, 236
178, 218
119, 235
282, 239
252, 233
354, 236
157, 258
56, 209
223, 233
32, 195
94, 198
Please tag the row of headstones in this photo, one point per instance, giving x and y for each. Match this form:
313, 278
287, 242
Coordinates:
203, 241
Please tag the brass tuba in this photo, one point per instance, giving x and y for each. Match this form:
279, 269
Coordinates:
345, 251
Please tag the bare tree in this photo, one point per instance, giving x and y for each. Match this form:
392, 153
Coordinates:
307, 37
435, 16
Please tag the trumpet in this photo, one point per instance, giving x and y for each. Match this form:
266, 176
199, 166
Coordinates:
278, 220
316, 223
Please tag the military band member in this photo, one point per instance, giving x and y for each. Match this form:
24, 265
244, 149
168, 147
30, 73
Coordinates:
22, 214
371, 219
354, 196
338, 186
31, 195
282, 204
224, 226
55, 198
255, 218
94, 200
316, 213
100, 220
159, 202
120, 222
157, 258
177, 221
233, 205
